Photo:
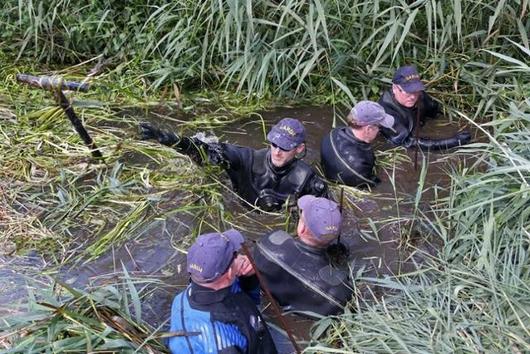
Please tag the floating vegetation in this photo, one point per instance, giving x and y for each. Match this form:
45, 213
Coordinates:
63, 319
202, 65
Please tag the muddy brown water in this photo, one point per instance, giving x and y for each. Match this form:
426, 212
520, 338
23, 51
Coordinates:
158, 251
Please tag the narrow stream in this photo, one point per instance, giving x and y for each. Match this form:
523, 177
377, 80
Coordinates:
158, 251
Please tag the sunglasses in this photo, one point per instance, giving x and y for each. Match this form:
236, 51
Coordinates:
278, 147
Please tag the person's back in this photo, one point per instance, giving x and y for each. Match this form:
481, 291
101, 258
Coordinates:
299, 273
223, 321
346, 154
300, 276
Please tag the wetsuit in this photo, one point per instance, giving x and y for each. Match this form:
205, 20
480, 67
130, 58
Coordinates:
251, 172
300, 277
405, 124
346, 159
224, 321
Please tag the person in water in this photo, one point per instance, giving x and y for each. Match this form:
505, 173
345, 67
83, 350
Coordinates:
299, 272
410, 105
266, 178
346, 153
213, 314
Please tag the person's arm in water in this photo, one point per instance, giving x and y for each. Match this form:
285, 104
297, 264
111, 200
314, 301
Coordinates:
402, 136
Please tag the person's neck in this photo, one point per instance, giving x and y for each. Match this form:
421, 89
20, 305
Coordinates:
359, 135
311, 241
218, 284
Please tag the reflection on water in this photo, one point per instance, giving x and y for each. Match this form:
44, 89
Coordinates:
378, 227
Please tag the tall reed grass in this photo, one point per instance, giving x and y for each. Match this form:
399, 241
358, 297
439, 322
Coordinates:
471, 297
289, 48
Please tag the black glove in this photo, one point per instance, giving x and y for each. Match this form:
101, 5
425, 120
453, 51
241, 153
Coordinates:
148, 131
461, 138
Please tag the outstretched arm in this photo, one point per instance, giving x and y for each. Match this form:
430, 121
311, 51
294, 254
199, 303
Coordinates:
197, 149
459, 139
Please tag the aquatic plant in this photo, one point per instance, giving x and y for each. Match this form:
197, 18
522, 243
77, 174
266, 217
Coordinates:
338, 50
472, 296
62, 319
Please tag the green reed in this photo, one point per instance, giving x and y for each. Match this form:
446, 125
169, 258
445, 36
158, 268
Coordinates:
472, 296
63, 319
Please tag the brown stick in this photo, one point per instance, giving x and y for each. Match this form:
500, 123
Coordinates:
77, 124
273, 302
340, 209
52, 83
56, 85
417, 131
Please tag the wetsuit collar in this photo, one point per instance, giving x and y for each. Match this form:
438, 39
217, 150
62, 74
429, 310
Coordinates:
350, 134
310, 249
200, 295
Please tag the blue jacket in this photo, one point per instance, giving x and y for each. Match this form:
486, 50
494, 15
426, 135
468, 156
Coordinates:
225, 321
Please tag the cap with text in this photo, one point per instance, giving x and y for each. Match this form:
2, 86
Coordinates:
211, 254
408, 79
288, 133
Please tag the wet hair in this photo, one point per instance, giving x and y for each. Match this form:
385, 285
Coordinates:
352, 123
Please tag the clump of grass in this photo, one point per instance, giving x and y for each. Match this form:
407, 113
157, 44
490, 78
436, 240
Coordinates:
341, 51
63, 319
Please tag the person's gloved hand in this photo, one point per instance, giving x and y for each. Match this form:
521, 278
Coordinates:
463, 137
148, 131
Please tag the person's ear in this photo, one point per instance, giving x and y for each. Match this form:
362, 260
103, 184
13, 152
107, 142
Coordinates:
300, 149
301, 227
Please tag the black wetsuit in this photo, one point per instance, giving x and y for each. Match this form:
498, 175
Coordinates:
346, 159
224, 321
251, 171
405, 118
405, 124
301, 277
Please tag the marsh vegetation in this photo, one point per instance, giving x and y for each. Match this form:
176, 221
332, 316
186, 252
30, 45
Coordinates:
203, 65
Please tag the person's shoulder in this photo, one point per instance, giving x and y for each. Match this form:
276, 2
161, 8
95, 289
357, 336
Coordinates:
274, 242
300, 167
385, 96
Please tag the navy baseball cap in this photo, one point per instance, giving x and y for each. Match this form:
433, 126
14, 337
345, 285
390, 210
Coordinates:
408, 78
371, 113
322, 216
211, 254
287, 134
